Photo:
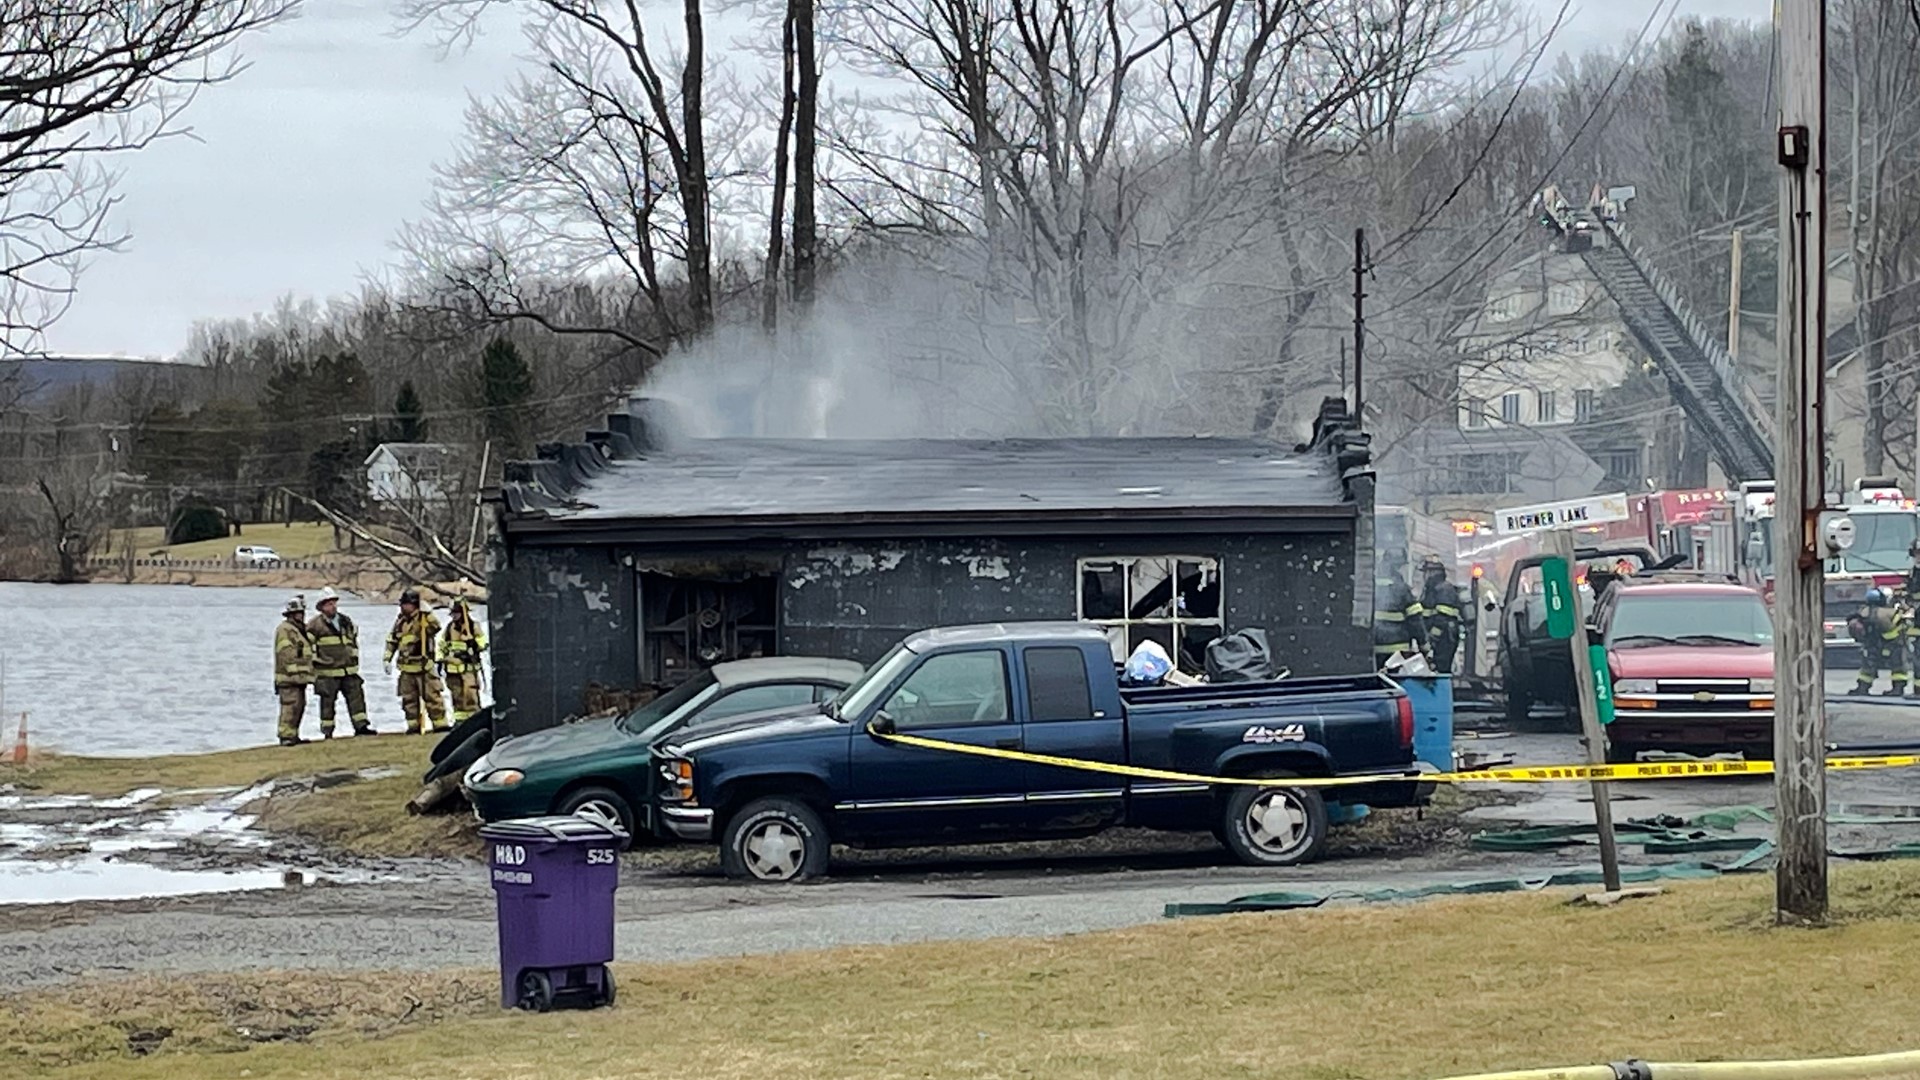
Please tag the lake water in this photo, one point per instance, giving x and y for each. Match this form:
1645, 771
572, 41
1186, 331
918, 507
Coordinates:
132, 670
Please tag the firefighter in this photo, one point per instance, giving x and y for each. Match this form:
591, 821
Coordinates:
1397, 626
1910, 594
1881, 629
292, 669
336, 665
410, 646
460, 649
1439, 614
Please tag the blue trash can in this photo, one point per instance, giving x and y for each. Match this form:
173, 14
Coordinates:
1432, 698
553, 883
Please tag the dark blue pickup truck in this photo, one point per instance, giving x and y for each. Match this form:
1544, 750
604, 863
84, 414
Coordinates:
776, 789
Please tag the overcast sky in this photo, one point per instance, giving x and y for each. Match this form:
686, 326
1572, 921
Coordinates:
303, 167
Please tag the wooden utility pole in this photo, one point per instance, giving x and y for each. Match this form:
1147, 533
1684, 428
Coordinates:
1560, 542
1733, 303
1799, 732
473, 526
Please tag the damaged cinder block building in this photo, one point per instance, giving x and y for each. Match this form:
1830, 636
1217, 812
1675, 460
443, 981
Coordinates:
638, 557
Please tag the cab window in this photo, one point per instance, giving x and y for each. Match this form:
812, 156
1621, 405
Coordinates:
952, 690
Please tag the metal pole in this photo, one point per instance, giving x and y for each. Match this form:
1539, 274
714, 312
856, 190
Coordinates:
1733, 304
1799, 733
1560, 542
1359, 321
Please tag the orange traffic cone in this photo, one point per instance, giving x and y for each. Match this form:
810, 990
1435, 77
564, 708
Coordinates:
20, 742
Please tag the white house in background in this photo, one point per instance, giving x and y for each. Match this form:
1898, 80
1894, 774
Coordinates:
409, 472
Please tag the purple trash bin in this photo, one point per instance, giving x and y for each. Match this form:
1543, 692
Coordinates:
553, 883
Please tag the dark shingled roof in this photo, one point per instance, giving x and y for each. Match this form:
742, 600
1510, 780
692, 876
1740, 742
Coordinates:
624, 477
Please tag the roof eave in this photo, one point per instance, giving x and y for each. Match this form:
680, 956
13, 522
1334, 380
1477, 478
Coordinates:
1328, 517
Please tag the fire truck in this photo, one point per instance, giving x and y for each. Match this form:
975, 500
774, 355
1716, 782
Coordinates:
1885, 523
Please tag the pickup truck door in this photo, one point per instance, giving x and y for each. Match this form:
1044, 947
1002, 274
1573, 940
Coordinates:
1074, 711
906, 792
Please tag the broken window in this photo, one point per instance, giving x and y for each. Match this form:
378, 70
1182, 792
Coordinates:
1171, 599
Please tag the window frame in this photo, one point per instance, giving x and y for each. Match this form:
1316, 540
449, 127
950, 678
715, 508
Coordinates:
1476, 408
1584, 406
1124, 624
1510, 407
1545, 407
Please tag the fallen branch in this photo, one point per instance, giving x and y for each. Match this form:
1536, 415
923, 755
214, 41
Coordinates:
392, 551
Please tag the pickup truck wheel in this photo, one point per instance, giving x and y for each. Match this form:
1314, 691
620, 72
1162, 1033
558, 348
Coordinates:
1275, 826
775, 840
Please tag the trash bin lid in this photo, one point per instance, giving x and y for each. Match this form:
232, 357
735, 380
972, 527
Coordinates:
563, 829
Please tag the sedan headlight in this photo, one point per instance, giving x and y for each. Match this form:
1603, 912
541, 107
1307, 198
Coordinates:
501, 778
1760, 686
1633, 687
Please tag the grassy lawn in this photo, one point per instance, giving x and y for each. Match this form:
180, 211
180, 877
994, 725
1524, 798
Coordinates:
353, 816
1382, 992
58, 774
300, 540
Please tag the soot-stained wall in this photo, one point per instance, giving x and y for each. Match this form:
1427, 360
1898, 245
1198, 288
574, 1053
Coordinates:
566, 615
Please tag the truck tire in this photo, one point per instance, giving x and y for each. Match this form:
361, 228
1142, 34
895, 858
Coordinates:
604, 799
775, 841
1274, 826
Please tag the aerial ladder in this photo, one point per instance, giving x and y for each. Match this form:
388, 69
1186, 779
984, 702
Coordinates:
1698, 369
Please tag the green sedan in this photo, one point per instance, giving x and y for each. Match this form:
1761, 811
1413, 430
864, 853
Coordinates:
601, 764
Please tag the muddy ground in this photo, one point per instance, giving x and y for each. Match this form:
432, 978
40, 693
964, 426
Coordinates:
294, 906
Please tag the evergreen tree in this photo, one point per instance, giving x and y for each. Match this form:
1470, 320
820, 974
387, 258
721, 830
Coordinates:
410, 424
506, 387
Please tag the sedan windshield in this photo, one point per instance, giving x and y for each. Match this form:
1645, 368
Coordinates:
661, 711
1728, 619
856, 699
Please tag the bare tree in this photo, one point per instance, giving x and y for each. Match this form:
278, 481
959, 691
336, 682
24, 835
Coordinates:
80, 81
598, 162
76, 516
1106, 249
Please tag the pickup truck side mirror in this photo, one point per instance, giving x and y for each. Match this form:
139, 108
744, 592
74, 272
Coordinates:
882, 724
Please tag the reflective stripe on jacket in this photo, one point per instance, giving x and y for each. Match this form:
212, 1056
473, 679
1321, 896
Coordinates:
410, 642
292, 655
336, 646
460, 647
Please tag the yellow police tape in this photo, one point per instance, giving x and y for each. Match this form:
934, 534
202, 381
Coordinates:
1525, 774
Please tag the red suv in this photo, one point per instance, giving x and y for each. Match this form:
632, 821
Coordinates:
1692, 664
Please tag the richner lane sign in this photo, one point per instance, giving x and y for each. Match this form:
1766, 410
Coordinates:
1571, 514
1593, 697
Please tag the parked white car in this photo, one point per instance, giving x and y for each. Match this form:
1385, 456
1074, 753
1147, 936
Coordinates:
255, 555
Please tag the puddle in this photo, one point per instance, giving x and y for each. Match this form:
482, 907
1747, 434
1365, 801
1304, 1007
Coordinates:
63, 849
99, 879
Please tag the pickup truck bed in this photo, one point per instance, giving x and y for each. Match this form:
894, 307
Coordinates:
773, 790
